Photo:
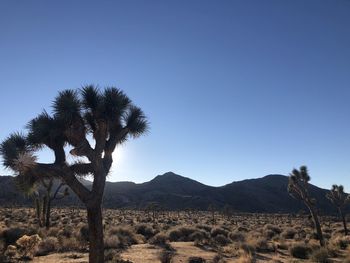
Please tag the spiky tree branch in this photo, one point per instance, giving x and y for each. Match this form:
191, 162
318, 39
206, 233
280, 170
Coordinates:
339, 199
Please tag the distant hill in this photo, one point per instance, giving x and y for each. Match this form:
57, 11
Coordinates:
171, 191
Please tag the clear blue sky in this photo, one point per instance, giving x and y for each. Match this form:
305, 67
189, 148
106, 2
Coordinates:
233, 89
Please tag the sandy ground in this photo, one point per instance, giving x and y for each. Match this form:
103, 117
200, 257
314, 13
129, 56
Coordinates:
70, 257
145, 253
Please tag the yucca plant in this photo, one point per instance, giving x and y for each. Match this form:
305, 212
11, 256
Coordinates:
43, 193
339, 199
298, 188
106, 117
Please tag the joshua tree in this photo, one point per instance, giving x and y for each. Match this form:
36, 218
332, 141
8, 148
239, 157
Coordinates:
339, 199
50, 196
93, 123
153, 207
42, 195
212, 209
298, 188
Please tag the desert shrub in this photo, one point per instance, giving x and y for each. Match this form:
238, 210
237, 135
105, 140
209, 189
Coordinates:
48, 245
112, 256
10, 253
206, 228
237, 236
242, 229
146, 230
196, 260
125, 236
2, 245
11, 235
166, 256
84, 233
199, 235
326, 235
260, 244
282, 245
246, 258
53, 232
275, 229
341, 242
320, 256
218, 259
269, 234
67, 231
221, 240
289, 233
300, 250
112, 242
218, 231
27, 245
68, 244
159, 240
247, 248
181, 233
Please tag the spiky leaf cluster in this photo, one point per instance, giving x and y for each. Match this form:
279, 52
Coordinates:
337, 196
109, 115
298, 184
112, 108
11, 149
45, 130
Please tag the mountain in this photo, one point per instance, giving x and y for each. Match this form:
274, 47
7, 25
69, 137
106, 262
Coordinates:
171, 191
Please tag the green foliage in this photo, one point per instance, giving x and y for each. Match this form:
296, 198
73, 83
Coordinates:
67, 106
45, 130
300, 250
12, 147
182, 233
320, 256
11, 235
337, 196
136, 122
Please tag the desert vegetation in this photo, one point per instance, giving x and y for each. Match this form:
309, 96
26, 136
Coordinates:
92, 123
172, 236
88, 125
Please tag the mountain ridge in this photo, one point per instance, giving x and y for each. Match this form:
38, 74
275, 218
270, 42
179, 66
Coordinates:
267, 194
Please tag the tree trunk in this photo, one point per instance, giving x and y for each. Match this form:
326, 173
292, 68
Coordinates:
317, 225
344, 221
45, 203
37, 210
48, 214
96, 247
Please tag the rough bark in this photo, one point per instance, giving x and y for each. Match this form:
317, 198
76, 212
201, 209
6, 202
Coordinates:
48, 214
37, 209
317, 225
344, 221
96, 246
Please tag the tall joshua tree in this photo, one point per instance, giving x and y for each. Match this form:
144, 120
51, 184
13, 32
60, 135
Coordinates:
339, 199
298, 188
93, 123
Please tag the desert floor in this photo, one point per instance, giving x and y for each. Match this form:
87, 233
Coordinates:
174, 236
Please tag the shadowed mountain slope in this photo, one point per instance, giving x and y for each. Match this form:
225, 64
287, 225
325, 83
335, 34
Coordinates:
171, 191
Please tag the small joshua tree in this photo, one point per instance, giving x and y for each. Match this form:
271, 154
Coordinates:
212, 209
41, 191
298, 188
339, 199
93, 123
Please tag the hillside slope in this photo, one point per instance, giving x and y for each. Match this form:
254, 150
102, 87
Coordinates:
171, 191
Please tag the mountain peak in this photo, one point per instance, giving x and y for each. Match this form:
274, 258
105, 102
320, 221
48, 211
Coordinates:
168, 176
274, 176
